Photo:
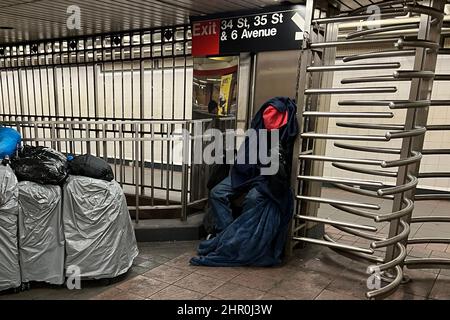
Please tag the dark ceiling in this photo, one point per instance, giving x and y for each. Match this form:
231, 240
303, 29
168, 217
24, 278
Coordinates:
25, 20
46, 19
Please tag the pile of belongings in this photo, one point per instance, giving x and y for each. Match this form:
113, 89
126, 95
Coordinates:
9, 212
257, 233
57, 214
41, 236
9, 243
99, 234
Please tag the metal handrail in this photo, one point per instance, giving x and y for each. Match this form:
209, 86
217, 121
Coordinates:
129, 150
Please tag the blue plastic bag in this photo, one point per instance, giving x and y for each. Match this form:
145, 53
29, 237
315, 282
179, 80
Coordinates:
9, 140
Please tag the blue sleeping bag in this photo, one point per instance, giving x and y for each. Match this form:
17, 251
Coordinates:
9, 140
257, 237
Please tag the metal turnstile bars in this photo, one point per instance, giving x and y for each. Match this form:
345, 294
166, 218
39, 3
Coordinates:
313, 84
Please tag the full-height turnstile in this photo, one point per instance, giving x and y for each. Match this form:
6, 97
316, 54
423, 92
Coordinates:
387, 150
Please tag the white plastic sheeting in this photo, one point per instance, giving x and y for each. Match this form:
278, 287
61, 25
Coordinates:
9, 210
99, 234
41, 237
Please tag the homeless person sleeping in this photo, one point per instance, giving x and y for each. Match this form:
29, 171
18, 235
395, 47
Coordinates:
258, 234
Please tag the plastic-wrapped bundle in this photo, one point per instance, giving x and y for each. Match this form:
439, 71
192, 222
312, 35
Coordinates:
40, 164
41, 237
9, 210
99, 235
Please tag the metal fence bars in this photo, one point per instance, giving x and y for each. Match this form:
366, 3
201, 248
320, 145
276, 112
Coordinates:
134, 75
152, 160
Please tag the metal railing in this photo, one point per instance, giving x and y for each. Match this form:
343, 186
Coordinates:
152, 160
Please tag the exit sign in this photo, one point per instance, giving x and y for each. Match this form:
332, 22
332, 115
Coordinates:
277, 28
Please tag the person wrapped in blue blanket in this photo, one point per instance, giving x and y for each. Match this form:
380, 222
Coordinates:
258, 234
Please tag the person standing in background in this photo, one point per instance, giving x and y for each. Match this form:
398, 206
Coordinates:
213, 107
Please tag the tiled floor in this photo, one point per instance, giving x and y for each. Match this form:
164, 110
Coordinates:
162, 271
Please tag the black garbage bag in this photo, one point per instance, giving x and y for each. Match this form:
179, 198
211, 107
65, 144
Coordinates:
41, 165
89, 166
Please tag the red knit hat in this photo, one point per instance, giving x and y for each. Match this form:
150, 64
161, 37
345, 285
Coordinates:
274, 119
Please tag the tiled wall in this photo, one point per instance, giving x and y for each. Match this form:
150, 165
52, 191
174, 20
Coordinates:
437, 115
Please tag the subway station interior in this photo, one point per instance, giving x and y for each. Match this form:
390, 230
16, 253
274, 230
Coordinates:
138, 138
